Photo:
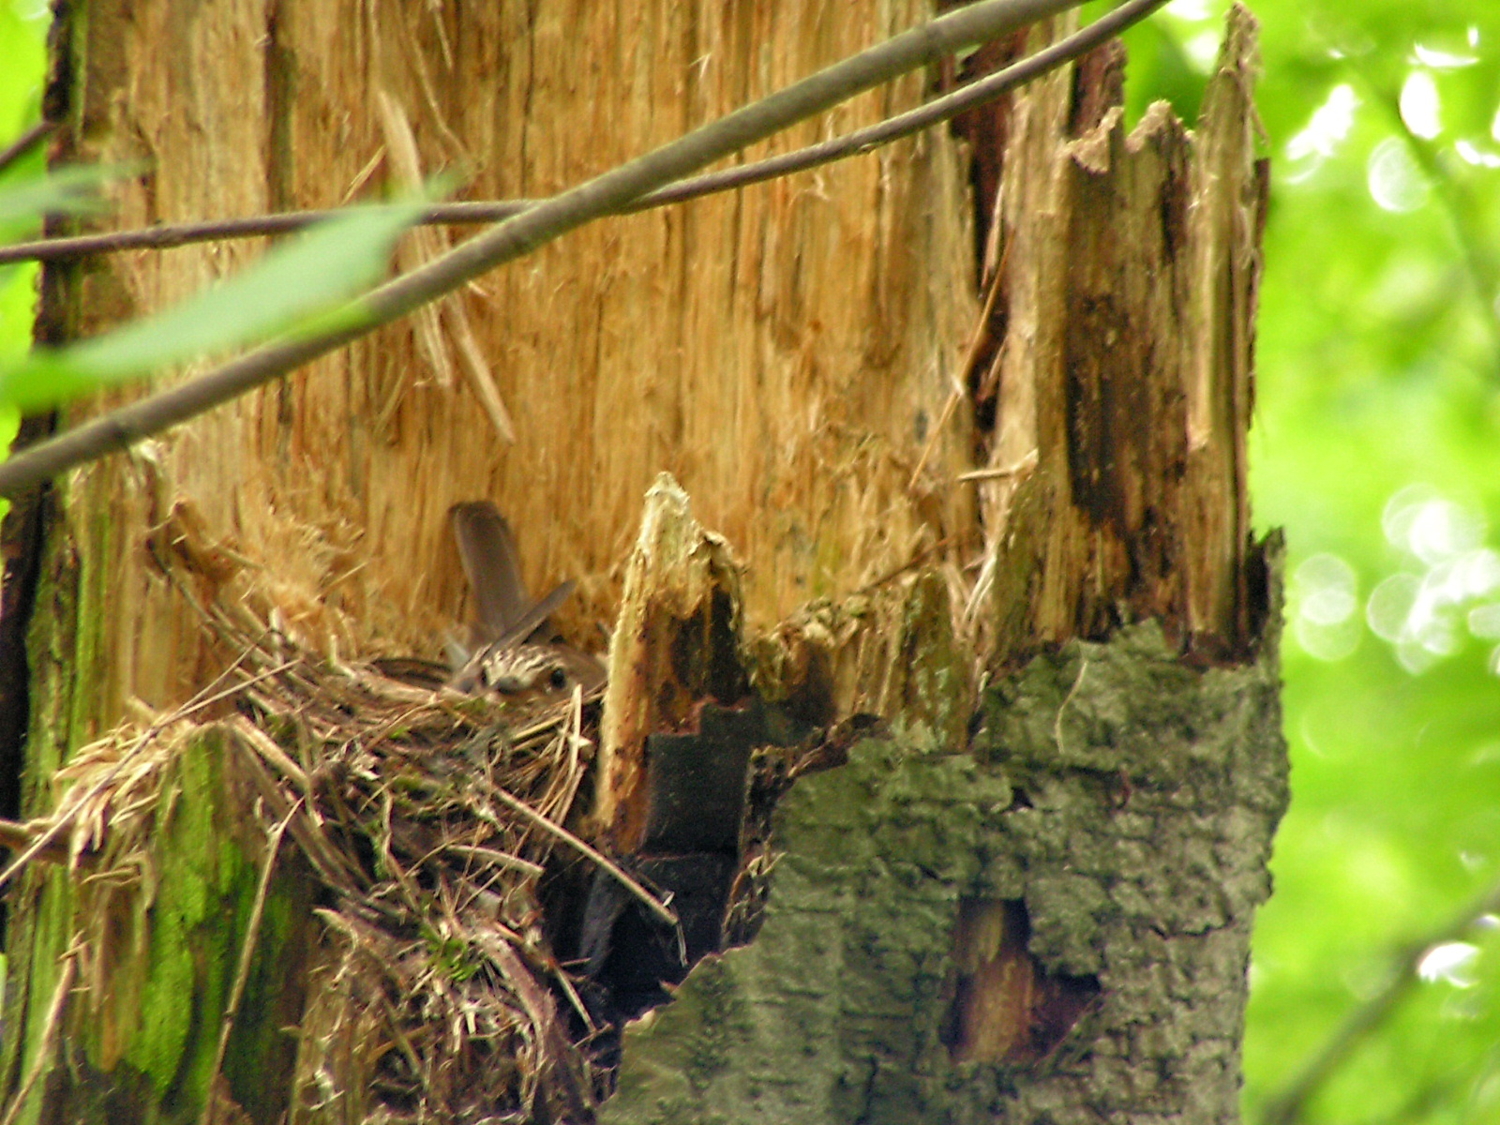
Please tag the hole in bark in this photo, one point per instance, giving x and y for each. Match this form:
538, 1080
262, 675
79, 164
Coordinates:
1005, 1006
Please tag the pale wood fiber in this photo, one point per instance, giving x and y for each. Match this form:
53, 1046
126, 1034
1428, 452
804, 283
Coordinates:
1118, 489
782, 350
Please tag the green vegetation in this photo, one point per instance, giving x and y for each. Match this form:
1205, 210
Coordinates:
1375, 446
1375, 443
303, 286
20, 108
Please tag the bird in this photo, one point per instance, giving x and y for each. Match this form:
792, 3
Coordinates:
511, 652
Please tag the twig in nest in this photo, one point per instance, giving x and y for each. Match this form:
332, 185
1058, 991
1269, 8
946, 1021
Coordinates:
50, 1030
650, 901
242, 971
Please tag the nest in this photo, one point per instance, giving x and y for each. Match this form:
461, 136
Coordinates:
425, 821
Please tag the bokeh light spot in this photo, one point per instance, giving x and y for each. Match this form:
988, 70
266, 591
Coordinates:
1420, 105
1395, 182
1449, 962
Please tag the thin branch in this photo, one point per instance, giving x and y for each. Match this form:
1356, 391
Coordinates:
168, 236
523, 233
1287, 1107
25, 143
247, 954
663, 912
171, 235
50, 1031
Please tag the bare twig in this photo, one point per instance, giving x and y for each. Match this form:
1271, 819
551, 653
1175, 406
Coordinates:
523, 233
935, 112
50, 1030
1286, 1108
247, 952
515, 804
25, 143
497, 859
168, 236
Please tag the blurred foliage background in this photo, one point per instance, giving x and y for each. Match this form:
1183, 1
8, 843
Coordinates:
23, 25
1376, 445
1376, 980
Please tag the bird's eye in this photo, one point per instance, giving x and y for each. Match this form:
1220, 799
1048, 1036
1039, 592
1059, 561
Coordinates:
558, 678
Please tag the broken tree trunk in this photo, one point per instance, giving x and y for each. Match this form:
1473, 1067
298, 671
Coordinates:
994, 558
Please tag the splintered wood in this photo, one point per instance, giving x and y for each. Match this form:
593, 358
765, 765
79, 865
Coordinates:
783, 350
1124, 380
799, 355
677, 643
934, 456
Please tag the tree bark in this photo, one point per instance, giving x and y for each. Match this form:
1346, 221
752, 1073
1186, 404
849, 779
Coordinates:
1055, 927
999, 504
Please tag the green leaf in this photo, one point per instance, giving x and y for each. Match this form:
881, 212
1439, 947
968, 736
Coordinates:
312, 277
69, 191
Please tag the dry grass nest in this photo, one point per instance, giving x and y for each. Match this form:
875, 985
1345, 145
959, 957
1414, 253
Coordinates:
420, 822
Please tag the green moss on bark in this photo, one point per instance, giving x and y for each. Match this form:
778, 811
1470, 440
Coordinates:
1126, 799
138, 1043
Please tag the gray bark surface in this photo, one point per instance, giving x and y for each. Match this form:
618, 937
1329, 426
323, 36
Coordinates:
1125, 800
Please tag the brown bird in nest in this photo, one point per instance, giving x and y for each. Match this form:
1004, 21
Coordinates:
510, 649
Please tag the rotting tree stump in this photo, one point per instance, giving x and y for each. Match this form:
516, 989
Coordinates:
1000, 593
